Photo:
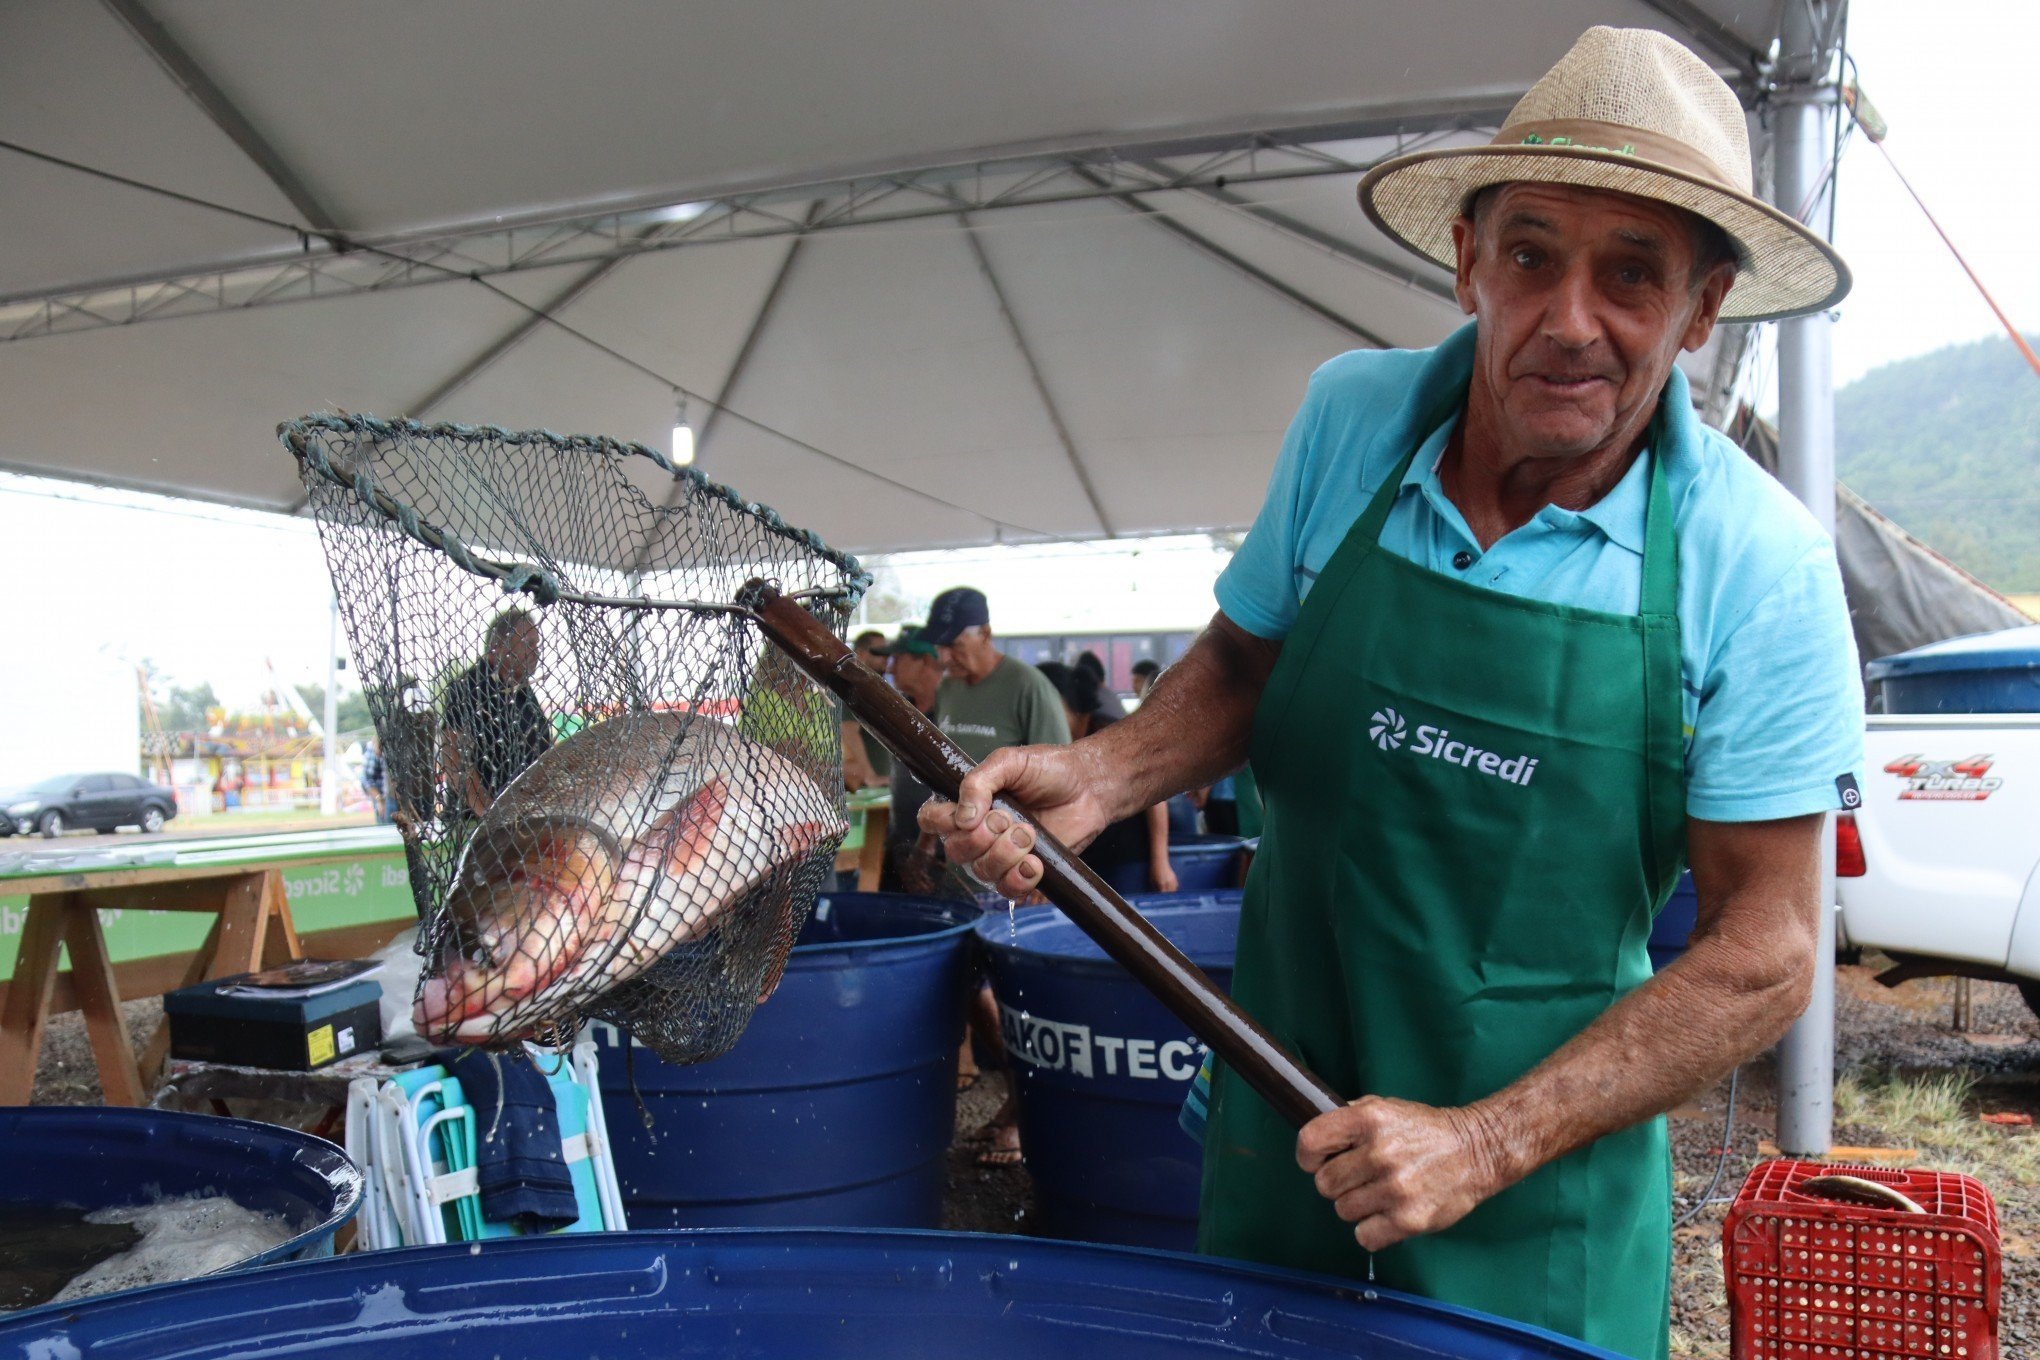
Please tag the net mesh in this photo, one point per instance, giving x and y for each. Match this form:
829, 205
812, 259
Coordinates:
617, 801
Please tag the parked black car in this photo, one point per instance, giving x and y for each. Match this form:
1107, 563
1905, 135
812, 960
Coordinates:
103, 802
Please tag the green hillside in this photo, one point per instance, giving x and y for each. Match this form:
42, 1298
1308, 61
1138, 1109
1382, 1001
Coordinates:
1948, 444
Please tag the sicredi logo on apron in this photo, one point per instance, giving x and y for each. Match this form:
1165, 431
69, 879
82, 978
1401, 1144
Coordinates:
1390, 731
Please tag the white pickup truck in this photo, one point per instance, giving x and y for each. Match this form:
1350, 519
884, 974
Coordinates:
1940, 866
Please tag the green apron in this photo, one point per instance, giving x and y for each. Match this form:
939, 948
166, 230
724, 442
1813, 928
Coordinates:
1431, 914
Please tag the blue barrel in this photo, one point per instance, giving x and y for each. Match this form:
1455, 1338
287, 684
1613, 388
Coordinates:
837, 1106
1986, 673
801, 1295
1674, 924
95, 1157
1103, 1068
1201, 863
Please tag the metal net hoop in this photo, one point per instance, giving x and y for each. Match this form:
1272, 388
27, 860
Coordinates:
617, 801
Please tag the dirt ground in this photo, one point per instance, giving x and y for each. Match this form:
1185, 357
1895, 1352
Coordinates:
984, 1199
1908, 1080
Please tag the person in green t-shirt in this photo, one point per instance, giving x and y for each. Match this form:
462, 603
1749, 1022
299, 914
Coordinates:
987, 700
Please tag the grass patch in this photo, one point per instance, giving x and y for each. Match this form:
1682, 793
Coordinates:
1938, 1114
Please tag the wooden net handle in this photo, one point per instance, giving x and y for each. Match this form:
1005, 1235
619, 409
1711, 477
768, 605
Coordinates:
1123, 933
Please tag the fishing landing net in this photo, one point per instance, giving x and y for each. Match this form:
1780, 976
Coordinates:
617, 801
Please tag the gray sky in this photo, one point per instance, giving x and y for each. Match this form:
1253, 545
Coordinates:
1953, 79
213, 594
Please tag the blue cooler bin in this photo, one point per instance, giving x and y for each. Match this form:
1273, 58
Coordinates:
1202, 863
93, 1157
1103, 1067
837, 1106
778, 1295
1987, 673
1674, 924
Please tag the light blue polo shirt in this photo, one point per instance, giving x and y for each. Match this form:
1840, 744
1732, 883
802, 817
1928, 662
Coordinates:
1773, 698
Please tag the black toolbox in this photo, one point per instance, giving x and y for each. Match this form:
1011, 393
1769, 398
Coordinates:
214, 1023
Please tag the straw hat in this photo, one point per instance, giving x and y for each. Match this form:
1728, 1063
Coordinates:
1633, 111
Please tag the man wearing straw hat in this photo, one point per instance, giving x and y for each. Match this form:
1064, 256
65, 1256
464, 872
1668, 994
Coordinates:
1513, 640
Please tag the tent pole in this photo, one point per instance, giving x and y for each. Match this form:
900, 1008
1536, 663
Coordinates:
1802, 145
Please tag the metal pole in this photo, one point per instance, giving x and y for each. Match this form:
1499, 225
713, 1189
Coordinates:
329, 766
1802, 145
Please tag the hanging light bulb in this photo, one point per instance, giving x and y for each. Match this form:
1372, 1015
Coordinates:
683, 433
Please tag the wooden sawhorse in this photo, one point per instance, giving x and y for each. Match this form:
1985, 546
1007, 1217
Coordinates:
252, 930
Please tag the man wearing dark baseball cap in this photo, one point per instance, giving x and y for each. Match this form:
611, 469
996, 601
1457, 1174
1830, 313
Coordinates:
987, 701
955, 610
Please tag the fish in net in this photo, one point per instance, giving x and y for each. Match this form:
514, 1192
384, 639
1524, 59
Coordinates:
617, 801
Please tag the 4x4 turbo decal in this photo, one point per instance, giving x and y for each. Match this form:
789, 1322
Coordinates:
1968, 780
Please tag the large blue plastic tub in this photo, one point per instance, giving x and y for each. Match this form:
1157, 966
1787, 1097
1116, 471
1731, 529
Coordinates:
812, 1295
837, 1106
1103, 1068
1986, 673
1202, 863
104, 1158
1674, 924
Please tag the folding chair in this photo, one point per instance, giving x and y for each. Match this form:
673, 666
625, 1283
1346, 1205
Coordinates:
415, 1135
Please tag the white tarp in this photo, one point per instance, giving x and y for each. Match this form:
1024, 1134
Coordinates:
1026, 337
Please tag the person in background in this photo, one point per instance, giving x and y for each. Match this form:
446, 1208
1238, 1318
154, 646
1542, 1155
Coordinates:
410, 772
866, 762
1144, 673
411, 778
1108, 698
911, 861
374, 782
493, 725
987, 701
1143, 838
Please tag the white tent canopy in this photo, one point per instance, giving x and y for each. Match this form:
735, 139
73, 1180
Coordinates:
1061, 267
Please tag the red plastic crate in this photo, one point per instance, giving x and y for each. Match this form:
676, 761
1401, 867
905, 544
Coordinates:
1817, 1279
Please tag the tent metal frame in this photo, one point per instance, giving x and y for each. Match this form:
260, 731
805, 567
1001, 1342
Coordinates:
1038, 379
198, 85
325, 261
319, 268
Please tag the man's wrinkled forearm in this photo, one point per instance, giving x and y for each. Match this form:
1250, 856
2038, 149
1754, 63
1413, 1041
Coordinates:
1664, 1043
1192, 728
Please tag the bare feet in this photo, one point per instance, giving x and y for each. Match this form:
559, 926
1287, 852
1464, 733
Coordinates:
1001, 1135
966, 1065
1004, 1149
